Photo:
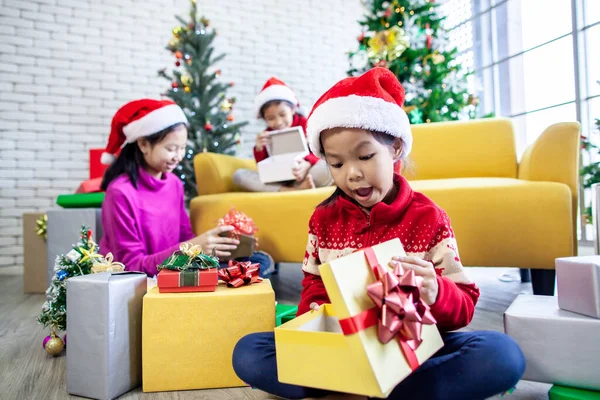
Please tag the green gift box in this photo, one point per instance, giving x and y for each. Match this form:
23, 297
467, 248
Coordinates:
568, 393
285, 313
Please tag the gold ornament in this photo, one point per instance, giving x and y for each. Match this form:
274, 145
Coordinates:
226, 105
187, 89
173, 43
55, 345
90, 255
107, 265
438, 58
42, 226
186, 80
177, 31
388, 44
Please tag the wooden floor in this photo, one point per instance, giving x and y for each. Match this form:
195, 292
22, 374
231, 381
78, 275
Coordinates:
27, 372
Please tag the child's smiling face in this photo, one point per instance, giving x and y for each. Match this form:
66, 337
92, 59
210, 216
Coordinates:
361, 165
165, 155
278, 115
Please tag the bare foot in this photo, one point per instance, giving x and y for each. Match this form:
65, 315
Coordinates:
307, 183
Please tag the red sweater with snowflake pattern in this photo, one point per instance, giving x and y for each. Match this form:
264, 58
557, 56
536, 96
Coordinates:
423, 228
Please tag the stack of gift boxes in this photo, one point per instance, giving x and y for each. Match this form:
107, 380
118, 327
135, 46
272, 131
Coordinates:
183, 339
560, 335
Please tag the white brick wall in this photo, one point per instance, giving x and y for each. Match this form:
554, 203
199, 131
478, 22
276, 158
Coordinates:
67, 65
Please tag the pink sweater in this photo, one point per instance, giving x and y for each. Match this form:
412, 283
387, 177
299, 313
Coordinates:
144, 226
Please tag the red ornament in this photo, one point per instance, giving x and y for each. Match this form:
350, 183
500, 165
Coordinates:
189, 61
230, 117
191, 25
238, 142
177, 63
428, 41
179, 55
89, 233
174, 85
208, 126
388, 12
218, 72
231, 84
361, 37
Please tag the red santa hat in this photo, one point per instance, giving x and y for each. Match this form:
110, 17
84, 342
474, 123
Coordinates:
274, 89
140, 118
372, 101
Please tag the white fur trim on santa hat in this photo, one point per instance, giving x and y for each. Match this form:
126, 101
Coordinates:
363, 112
154, 122
107, 158
274, 92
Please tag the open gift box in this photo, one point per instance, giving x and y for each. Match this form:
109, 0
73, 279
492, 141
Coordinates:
356, 362
285, 147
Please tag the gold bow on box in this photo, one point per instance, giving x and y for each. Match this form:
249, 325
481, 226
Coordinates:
106, 264
190, 250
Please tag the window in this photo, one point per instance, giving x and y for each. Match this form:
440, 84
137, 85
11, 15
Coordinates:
533, 61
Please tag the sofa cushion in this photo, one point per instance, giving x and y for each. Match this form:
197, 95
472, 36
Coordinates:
490, 215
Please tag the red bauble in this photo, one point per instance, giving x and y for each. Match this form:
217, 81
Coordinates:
230, 117
361, 37
177, 63
231, 84
208, 126
388, 12
429, 40
179, 55
174, 85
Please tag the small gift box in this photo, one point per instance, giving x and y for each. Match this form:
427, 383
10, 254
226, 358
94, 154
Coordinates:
578, 284
244, 232
375, 332
188, 270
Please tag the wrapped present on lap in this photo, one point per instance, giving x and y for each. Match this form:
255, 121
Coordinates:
244, 231
375, 332
188, 270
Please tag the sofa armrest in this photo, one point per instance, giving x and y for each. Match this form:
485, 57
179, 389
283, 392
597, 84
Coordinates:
214, 172
554, 157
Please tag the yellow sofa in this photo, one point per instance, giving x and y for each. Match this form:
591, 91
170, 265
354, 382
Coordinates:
504, 213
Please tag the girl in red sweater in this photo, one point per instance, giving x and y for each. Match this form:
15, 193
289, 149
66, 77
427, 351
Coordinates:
277, 105
361, 130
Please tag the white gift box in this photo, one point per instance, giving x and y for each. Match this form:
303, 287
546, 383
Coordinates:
286, 147
560, 347
578, 280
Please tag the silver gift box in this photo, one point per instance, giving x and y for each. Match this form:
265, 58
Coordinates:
560, 347
64, 227
578, 280
104, 325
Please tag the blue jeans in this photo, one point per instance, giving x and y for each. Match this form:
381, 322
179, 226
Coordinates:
471, 365
267, 266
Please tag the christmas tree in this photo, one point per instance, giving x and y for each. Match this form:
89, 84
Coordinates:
407, 37
591, 171
196, 89
78, 261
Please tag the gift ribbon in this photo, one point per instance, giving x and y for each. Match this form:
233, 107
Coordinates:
243, 224
107, 265
190, 250
399, 311
237, 273
191, 278
196, 259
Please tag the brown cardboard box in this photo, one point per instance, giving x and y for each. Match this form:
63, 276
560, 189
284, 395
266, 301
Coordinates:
244, 249
34, 256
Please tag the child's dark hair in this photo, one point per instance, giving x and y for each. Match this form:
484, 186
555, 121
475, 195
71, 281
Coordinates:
383, 138
131, 158
275, 103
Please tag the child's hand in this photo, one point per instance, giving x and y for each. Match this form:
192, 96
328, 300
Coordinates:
301, 169
262, 140
314, 306
429, 290
210, 240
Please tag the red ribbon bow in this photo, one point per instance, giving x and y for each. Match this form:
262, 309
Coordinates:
242, 223
399, 311
240, 273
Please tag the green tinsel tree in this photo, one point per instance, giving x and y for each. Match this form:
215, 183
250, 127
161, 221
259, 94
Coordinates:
196, 89
407, 37
77, 262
